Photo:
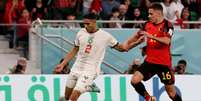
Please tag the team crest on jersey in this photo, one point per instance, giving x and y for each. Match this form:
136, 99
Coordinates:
89, 44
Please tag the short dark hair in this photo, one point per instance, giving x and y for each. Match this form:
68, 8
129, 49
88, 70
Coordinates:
156, 6
114, 9
182, 61
90, 16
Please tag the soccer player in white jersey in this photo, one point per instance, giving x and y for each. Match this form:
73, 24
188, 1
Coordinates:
90, 45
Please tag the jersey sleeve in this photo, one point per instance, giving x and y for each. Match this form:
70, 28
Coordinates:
76, 41
144, 26
112, 41
169, 29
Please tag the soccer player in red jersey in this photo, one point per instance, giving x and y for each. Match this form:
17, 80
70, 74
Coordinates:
158, 32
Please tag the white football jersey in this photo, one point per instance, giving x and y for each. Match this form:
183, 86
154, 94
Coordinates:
92, 47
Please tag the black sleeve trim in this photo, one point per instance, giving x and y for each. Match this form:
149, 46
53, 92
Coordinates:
168, 26
144, 25
115, 45
75, 44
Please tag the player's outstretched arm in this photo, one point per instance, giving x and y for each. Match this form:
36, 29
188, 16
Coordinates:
68, 57
130, 43
133, 42
164, 40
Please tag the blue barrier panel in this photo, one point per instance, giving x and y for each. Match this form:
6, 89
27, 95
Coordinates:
184, 46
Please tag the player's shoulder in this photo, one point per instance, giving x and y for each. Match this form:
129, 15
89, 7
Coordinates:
82, 30
103, 32
168, 23
147, 22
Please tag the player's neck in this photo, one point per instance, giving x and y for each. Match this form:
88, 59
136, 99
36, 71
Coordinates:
159, 20
92, 31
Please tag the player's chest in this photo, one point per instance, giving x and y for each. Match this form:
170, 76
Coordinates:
155, 30
91, 40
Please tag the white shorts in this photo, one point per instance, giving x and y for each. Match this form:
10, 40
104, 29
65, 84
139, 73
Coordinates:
80, 81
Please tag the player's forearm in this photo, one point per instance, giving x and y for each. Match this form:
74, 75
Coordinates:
125, 47
164, 40
133, 44
129, 43
70, 56
121, 48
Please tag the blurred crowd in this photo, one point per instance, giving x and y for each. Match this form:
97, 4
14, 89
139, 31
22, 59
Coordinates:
23, 12
20, 67
180, 68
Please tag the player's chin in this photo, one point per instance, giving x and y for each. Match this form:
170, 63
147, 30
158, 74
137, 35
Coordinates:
150, 19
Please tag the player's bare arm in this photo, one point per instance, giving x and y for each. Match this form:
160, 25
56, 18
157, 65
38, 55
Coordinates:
68, 57
120, 47
130, 43
133, 41
164, 40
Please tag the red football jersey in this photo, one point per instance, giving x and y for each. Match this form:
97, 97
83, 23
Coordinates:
158, 53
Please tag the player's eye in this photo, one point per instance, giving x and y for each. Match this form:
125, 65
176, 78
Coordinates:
86, 23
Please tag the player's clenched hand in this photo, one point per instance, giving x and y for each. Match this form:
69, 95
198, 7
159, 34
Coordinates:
140, 39
58, 68
140, 33
146, 34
